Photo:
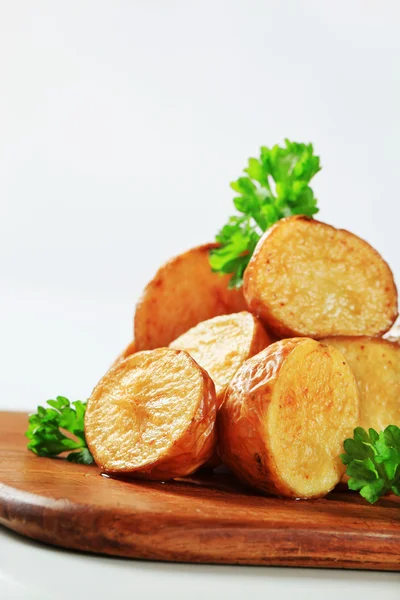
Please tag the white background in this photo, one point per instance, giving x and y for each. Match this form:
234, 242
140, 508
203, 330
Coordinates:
122, 124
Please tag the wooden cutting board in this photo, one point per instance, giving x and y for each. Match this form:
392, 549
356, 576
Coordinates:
205, 519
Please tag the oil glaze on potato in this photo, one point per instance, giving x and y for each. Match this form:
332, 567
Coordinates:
222, 344
308, 278
376, 365
285, 416
152, 416
183, 292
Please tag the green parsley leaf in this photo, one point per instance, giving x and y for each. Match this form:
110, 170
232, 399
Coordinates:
276, 185
373, 462
83, 457
48, 428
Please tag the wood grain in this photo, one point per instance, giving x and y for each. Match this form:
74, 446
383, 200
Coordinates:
206, 518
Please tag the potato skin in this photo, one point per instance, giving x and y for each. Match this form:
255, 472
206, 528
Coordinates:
240, 444
106, 424
182, 293
282, 309
244, 442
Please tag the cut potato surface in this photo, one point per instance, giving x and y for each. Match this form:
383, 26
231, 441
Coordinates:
307, 278
152, 416
183, 292
285, 416
376, 365
222, 344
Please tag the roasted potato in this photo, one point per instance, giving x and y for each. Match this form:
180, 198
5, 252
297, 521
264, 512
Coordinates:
152, 416
307, 278
376, 364
183, 292
285, 416
222, 344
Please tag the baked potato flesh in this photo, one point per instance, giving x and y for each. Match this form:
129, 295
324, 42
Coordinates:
284, 418
183, 293
308, 278
222, 344
153, 415
376, 365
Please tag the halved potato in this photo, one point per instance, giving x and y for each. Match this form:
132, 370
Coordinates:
183, 292
376, 364
285, 416
222, 344
152, 416
307, 278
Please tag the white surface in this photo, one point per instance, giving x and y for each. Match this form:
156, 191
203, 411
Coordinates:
121, 125
54, 573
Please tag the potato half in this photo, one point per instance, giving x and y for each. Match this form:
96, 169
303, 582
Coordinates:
152, 416
222, 344
183, 292
285, 416
308, 278
376, 365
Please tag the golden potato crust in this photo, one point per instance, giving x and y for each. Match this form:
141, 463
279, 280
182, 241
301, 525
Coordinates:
285, 416
152, 416
222, 344
376, 364
307, 278
183, 293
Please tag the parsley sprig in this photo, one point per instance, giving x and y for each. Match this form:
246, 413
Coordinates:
276, 186
373, 462
47, 426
